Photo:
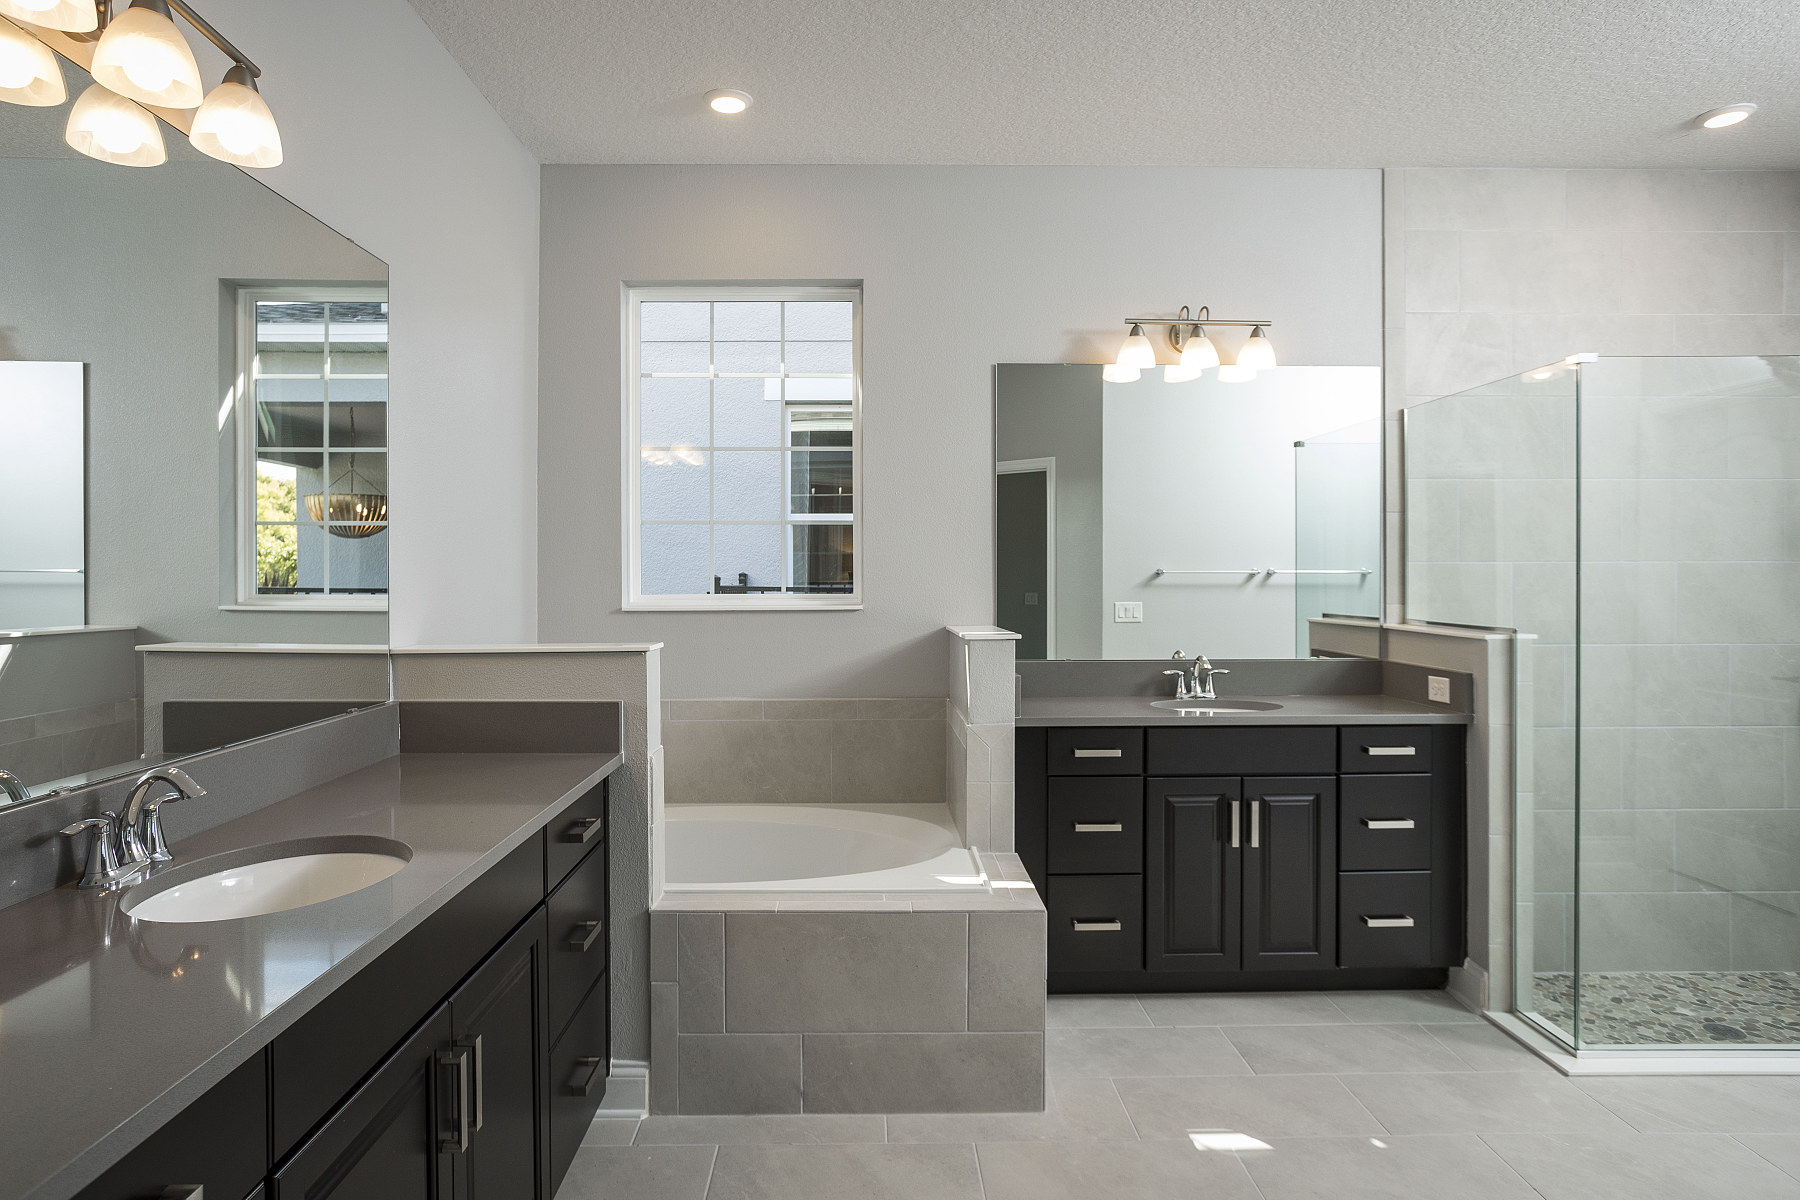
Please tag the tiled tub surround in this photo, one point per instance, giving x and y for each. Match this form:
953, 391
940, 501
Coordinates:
849, 1003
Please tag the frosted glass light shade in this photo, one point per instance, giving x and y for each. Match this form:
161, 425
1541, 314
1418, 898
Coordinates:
1198, 353
107, 126
28, 71
1137, 351
1257, 353
70, 16
143, 57
1114, 373
234, 125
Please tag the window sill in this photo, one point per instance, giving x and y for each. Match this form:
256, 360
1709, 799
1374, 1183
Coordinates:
723, 604
326, 607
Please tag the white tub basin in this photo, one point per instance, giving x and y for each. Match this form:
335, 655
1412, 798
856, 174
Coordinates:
271, 884
816, 847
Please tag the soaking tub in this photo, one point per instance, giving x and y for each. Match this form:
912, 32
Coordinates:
816, 848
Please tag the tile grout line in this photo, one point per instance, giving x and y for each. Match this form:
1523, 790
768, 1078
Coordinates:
1483, 1139
712, 1168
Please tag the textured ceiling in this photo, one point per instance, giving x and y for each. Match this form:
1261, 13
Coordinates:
1288, 82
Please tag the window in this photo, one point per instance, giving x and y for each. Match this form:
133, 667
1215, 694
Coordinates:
312, 428
743, 428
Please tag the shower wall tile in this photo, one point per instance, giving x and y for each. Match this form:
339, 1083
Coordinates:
1480, 198
1655, 685
1764, 200
1742, 334
1646, 200
887, 761
1543, 338
1703, 768
1447, 352
1765, 931
1636, 931
1431, 280
1740, 851
1748, 602
1765, 684
1697, 272
1540, 272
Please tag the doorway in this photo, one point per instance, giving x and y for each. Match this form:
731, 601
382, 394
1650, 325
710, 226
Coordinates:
1025, 575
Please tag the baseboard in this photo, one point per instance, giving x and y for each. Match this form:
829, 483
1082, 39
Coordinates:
1644, 1062
1468, 985
627, 1092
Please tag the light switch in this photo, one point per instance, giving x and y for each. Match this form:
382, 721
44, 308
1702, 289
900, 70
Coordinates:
1126, 611
1437, 689
1031, 597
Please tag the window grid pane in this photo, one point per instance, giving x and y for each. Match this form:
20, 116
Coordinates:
770, 470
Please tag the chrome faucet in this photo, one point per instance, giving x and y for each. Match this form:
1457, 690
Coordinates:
1195, 683
106, 866
15, 787
142, 826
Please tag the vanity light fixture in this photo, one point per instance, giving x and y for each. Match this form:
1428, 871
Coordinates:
29, 74
1198, 354
1256, 353
235, 125
1724, 118
107, 126
70, 16
1188, 336
143, 57
729, 101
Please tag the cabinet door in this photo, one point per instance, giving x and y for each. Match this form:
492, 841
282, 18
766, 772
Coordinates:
1290, 873
394, 1138
498, 1020
1192, 871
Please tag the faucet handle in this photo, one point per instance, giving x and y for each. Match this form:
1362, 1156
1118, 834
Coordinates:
148, 836
103, 851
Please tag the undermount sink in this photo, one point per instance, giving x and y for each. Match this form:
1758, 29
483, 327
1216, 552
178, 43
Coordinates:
266, 879
1209, 707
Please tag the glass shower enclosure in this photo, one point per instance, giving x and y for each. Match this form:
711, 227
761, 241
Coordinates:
1637, 522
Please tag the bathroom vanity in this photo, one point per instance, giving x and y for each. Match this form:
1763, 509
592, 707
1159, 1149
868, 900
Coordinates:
1319, 844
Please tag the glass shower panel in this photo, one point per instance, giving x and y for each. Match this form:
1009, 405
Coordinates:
1337, 549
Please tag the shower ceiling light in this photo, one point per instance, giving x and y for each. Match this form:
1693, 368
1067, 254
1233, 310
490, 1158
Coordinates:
1724, 118
143, 57
70, 16
28, 71
1187, 334
107, 126
234, 125
729, 101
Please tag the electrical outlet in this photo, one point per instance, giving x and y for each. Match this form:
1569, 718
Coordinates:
1437, 689
1126, 611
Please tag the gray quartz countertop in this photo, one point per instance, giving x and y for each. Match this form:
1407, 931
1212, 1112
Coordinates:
109, 1026
1294, 710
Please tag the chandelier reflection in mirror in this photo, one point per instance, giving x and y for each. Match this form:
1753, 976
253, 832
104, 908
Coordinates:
140, 62
1188, 337
354, 511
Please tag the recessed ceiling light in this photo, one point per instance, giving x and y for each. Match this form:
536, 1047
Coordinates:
1720, 118
728, 101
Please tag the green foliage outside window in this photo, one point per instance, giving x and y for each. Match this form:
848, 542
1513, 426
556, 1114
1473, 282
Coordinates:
277, 546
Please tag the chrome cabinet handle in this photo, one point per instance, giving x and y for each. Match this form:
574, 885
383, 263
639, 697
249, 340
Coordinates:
1100, 827
458, 1142
1113, 753
582, 830
1379, 823
1390, 751
581, 944
1081, 926
584, 1086
1236, 822
1388, 922
1256, 824
477, 1084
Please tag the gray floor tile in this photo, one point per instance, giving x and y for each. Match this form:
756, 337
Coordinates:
1078, 1110
1485, 1102
845, 1173
1026, 1171
638, 1173
775, 1130
1386, 1008
1486, 1048
1248, 1008
1084, 1012
614, 1131
1383, 1168
1263, 1106
1638, 1166
1782, 1149
1702, 1103
1341, 1049
1121, 1052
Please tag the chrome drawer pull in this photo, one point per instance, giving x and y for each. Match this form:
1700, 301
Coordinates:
1113, 753
1395, 751
1376, 823
1388, 922
582, 939
1256, 824
1096, 926
1236, 822
1106, 827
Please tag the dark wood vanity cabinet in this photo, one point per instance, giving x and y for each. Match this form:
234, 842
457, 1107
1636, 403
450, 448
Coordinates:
465, 1063
1231, 857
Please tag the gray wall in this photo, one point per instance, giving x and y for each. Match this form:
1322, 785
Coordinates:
123, 270
963, 267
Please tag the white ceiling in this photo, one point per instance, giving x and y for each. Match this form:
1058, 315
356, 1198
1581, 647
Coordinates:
1287, 82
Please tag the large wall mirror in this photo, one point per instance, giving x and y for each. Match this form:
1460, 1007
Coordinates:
1208, 516
193, 415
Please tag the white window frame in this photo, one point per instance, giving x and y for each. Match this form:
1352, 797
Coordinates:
244, 407
633, 598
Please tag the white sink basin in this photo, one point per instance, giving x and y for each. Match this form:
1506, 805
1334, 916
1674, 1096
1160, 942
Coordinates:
279, 878
1208, 707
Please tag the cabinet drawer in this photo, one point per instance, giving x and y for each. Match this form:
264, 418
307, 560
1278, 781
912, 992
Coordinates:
1384, 749
578, 937
1097, 826
219, 1142
568, 838
1384, 919
1109, 751
578, 1066
1242, 750
1384, 823
1096, 922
